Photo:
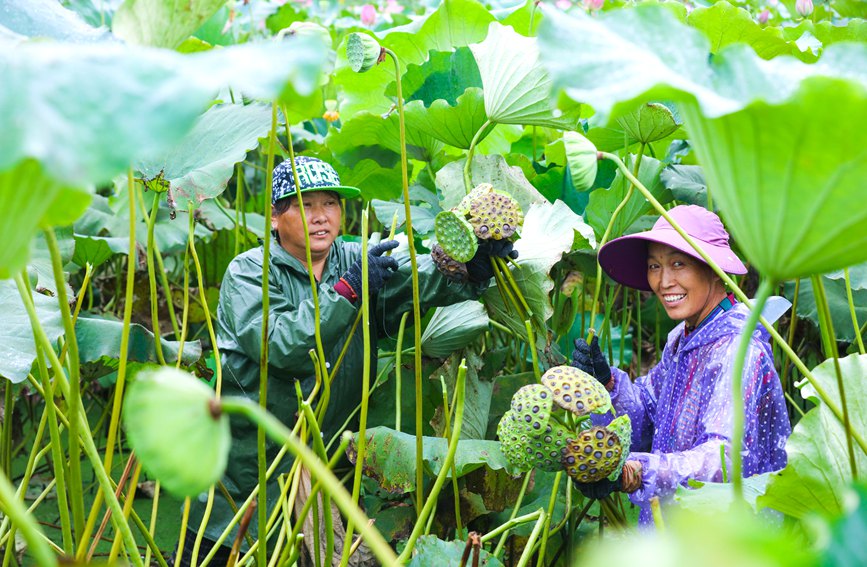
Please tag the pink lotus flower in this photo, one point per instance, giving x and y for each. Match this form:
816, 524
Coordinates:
804, 7
563, 4
594, 4
764, 16
392, 7
368, 15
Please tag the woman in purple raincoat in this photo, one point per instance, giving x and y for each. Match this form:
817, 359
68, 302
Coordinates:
681, 410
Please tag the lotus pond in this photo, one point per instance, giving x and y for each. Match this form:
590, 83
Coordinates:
138, 139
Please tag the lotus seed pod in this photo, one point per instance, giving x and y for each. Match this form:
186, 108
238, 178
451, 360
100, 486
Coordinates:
592, 455
582, 157
549, 445
622, 427
495, 215
532, 406
514, 441
455, 236
477, 192
362, 52
173, 424
576, 391
448, 266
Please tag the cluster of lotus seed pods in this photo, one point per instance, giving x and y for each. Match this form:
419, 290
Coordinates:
483, 214
548, 426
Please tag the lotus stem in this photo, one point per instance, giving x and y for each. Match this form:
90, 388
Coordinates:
153, 526
319, 448
852, 313
551, 502
656, 510
509, 525
127, 509
468, 180
447, 433
460, 390
787, 349
118, 490
186, 305
510, 280
531, 342
14, 509
528, 549
397, 366
152, 280
182, 536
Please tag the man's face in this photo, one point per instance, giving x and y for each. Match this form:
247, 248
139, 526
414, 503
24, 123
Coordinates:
323, 223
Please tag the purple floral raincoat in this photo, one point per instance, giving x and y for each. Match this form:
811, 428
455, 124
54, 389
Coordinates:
681, 410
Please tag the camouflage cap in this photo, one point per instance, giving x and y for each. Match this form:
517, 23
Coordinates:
313, 175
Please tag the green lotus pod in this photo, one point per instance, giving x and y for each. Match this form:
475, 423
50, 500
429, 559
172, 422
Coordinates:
622, 427
547, 447
448, 266
173, 424
455, 236
532, 406
582, 157
649, 122
592, 455
363, 52
311, 29
514, 441
477, 192
495, 215
576, 391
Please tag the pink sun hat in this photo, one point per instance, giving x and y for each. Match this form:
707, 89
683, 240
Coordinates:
624, 259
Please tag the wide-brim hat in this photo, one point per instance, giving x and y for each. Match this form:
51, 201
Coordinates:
624, 259
313, 175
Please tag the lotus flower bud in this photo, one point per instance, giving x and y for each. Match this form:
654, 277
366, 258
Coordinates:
363, 52
804, 7
764, 16
310, 29
393, 7
331, 113
368, 15
581, 155
594, 5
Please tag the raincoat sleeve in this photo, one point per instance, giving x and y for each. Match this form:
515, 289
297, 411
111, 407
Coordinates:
435, 290
291, 325
638, 400
663, 472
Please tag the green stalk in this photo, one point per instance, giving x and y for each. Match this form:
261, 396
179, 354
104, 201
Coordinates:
655, 507
537, 371
528, 549
510, 280
127, 508
71, 344
416, 302
765, 288
551, 503
152, 280
460, 391
8, 409
191, 241
331, 484
36, 540
828, 337
513, 521
858, 338
793, 323
447, 433
153, 525
262, 557
121, 369
319, 447
361, 443
468, 180
787, 349
397, 365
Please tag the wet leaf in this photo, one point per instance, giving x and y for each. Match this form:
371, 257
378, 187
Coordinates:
430, 551
486, 169
835, 289
17, 346
686, 183
452, 328
453, 125
161, 23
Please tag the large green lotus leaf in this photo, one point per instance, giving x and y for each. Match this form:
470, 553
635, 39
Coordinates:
92, 110
48, 19
491, 169
31, 200
835, 289
375, 181
162, 23
445, 75
724, 24
170, 424
40, 258
431, 551
817, 474
201, 164
828, 32
366, 129
516, 86
455, 23
847, 535
453, 327
453, 125
704, 497
99, 339
549, 231
686, 183
603, 201
479, 392
97, 249
423, 214
390, 457
17, 346
649, 122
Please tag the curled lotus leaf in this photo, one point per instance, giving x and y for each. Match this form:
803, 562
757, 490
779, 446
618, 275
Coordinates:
455, 235
650, 122
576, 391
583, 160
592, 455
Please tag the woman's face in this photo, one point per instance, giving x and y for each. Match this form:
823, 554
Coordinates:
686, 286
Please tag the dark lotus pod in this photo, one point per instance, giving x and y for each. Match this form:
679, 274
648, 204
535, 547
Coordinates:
514, 440
495, 215
532, 406
448, 266
622, 427
455, 236
593, 455
576, 391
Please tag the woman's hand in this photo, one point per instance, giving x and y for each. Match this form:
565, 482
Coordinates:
589, 358
630, 477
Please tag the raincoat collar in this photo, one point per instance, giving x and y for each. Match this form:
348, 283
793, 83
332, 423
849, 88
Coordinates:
280, 257
725, 324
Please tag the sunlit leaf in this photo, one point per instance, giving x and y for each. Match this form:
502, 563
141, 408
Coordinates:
161, 23
724, 24
366, 130
445, 75
649, 122
431, 551
98, 249
818, 472
491, 169
454, 125
516, 86
17, 346
49, 19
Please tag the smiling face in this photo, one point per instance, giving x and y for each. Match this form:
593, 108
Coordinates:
686, 286
323, 222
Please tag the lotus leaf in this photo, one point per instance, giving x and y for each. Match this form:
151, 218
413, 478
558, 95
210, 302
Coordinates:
453, 125
650, 122
453, 327
581, 155
160, 23
17, 346
48, 19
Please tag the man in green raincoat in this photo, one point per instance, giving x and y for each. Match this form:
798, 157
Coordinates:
291, 325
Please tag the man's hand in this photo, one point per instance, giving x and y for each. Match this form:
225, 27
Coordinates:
479, 267
629, 481
379, 269
590, 359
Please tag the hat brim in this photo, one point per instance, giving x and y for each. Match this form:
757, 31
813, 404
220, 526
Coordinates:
624, 259
344, 191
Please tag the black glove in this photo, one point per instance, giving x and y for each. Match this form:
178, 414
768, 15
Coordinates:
479, 267
590, 359
379, 269
599, 489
